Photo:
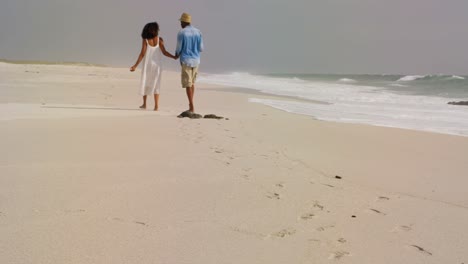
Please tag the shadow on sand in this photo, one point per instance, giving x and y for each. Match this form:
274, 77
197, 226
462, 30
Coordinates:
94, 108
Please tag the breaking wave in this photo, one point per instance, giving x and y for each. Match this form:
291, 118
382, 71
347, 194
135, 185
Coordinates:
409, 78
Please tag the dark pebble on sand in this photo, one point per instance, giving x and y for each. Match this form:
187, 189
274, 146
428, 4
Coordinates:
458, 103
337, 177
213, 116
353, 216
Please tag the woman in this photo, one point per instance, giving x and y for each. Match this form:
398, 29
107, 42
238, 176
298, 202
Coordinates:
151, 49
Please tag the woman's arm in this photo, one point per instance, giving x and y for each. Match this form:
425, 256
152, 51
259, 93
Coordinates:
141, 56
164, 51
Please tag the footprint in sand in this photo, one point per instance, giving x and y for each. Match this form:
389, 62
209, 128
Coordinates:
245, 173
246, 232
421, 250
318, 205
376, 211
313, 213
123, 221
402, 228
382, 198
307, 216
275, 196
314, 240
323, 228
338, 255
221, 151
284, 233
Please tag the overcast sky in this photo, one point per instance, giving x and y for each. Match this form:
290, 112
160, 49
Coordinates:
262, 36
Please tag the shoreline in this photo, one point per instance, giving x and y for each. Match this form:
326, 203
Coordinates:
355, 104
249, 92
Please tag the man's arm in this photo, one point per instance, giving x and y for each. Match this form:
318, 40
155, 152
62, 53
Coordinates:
180, 39
201, 47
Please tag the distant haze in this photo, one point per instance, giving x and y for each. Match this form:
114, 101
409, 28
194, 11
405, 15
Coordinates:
263, 36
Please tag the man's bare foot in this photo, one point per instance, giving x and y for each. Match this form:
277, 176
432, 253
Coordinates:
155, 109
143, 106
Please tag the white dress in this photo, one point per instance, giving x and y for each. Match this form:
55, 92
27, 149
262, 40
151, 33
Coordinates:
152, 70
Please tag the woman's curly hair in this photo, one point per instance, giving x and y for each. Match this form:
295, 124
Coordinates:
150, 30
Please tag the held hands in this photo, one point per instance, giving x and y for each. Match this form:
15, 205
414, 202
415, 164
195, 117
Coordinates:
132, 69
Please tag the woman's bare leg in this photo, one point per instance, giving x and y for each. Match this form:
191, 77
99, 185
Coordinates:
156, 102
143, 106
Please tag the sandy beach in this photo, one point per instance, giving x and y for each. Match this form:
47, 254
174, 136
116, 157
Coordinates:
87, 177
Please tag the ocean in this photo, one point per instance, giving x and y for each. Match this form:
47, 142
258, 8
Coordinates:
417, 102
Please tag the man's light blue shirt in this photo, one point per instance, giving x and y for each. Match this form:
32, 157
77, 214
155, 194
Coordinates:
189, 46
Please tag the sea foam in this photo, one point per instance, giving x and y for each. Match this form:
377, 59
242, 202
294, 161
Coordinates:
353, 103
410, 78
347, 80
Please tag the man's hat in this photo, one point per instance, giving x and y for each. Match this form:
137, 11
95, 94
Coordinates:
186, 18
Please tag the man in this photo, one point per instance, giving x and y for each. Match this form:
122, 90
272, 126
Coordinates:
189, 46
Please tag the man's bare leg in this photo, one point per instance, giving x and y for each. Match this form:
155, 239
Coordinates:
190, 91
192, 94
143, 106
156, 102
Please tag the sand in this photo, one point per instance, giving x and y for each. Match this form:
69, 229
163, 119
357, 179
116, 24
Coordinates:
86, 177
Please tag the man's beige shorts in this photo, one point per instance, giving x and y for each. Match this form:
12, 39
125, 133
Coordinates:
189, 75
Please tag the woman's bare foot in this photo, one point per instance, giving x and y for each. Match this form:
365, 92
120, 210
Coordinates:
155, 108
143, 106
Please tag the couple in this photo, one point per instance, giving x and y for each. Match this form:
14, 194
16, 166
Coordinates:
189, 46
